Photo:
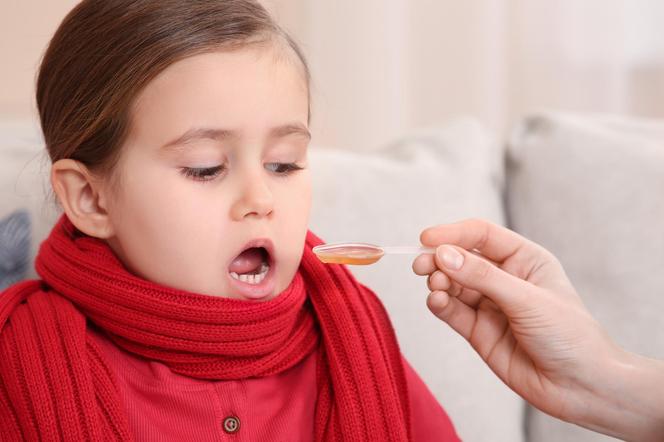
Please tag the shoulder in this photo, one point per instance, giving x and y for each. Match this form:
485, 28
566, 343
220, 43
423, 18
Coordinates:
429, 421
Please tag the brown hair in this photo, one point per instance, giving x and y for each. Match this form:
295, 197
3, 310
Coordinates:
106, 51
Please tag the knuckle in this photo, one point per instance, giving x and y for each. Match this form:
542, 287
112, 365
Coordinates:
476, 222
482, 227
481, 270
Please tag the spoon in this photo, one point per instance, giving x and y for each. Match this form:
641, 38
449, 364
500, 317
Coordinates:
362, 253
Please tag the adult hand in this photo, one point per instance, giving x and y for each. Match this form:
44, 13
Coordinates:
512, 301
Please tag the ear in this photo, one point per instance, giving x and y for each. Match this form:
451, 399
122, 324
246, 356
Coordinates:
82, 197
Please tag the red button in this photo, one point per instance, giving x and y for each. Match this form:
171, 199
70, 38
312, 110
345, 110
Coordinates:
231, 424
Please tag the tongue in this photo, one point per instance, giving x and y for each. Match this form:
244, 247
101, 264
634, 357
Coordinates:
246, 261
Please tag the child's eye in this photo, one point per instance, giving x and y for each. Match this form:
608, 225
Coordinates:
210, 173
202, 174
283, 168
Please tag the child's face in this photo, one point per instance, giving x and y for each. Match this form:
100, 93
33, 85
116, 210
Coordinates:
177, 230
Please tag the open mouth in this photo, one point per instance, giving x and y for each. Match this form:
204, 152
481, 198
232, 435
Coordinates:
251, 266
251, 272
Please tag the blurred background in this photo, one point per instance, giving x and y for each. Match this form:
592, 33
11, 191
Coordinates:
383, 67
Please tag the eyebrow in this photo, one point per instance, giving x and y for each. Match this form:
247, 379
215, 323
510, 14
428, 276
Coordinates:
201, 133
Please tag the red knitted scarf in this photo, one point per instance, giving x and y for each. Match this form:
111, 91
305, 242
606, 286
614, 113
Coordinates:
55, 384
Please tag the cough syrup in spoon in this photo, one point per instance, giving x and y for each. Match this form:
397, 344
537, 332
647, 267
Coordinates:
361, 253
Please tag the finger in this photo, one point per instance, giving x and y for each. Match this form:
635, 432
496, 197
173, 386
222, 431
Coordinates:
454, 312
425, 264
472, 272
478, 253
438, 281
471, 298
495, 242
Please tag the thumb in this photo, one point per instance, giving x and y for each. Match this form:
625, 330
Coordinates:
508, 292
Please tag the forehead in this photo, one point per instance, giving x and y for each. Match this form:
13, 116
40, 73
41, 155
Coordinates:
245, 89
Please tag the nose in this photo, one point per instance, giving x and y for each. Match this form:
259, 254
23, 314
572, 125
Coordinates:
254, 199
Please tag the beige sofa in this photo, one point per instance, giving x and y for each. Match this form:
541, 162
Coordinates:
588, 187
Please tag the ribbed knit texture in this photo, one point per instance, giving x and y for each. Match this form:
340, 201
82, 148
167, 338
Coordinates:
55, 385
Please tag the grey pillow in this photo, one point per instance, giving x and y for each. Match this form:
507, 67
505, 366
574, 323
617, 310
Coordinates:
14, 248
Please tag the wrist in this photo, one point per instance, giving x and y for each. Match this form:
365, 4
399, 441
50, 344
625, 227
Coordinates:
626, 399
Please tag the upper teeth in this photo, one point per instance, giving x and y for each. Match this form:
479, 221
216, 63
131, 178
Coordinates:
253, 279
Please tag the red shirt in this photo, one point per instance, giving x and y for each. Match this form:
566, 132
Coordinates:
163, 405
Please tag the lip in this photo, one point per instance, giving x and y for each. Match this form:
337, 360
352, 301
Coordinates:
267, 285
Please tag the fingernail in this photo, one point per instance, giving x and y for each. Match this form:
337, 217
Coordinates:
450, 257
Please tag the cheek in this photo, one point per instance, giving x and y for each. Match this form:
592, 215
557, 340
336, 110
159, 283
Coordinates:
299, 197
172, 232
155, 202
295, 205
169, 213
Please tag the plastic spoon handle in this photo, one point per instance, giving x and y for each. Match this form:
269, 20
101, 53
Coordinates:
407, 249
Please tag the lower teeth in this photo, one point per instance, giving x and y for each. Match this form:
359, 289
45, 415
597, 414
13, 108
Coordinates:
252, 278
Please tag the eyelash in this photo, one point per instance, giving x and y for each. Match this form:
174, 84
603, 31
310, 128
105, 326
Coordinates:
210, 173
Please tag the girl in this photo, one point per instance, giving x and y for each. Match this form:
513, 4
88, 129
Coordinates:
179, 298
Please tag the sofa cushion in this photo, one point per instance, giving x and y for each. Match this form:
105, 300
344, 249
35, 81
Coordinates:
14, 247
387, 197
589, 188
24, 185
